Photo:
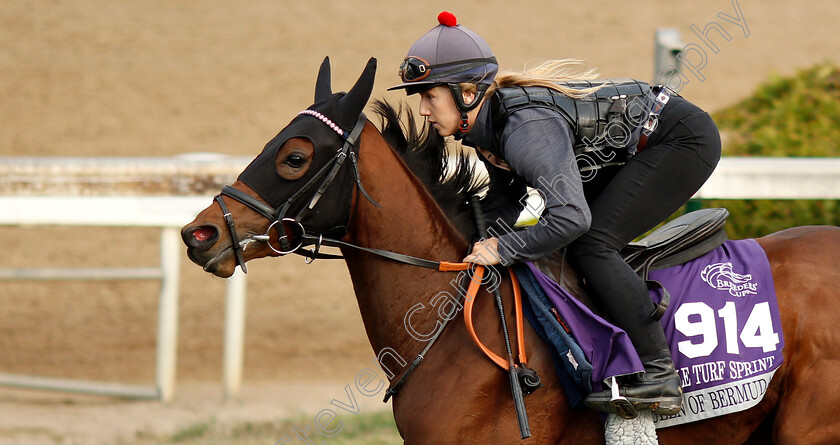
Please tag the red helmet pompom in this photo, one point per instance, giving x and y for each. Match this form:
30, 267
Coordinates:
447, 18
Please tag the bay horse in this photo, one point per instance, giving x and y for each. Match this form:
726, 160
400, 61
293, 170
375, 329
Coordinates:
389, 196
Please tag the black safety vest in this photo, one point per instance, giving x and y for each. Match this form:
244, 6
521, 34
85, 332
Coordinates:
607, 118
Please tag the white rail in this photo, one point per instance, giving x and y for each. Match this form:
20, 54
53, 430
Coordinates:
168, 213
735, 178
27, 179
773, 178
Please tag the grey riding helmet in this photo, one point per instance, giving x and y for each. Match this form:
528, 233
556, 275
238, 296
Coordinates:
449, 54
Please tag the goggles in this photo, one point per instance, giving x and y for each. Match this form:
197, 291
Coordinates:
414, 69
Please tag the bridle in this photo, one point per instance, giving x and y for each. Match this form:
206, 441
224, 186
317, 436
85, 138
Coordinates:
294, 242
302, 239
326, 175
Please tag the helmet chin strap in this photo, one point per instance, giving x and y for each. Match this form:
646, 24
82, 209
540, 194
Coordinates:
464, 127
458, 95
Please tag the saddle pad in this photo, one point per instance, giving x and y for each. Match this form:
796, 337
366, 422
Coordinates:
607, 348
722, 325
723, 328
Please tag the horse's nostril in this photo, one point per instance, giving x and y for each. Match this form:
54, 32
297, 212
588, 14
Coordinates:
202, 234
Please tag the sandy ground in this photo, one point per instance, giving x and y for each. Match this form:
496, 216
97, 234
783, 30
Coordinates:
160, 78
42, 418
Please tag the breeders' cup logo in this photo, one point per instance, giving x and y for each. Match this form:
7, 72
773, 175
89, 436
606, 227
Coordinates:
721, 277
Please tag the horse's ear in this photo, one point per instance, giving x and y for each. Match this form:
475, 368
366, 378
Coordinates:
352, 104
323, 87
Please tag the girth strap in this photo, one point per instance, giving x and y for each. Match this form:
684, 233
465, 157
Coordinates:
664, 300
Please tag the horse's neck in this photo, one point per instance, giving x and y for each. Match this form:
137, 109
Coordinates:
409, 222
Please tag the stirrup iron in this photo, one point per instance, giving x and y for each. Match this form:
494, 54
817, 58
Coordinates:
622, 406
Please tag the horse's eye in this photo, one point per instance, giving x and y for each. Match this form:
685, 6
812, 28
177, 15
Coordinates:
295, 161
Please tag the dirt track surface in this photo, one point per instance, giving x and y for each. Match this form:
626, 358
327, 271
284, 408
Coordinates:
160, 78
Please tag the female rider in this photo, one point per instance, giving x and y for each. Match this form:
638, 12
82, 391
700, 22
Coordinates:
602, 188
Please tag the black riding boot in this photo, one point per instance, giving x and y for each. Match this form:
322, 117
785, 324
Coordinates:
624, 297
657, 389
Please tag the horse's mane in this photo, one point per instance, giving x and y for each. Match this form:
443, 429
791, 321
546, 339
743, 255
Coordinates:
449, 177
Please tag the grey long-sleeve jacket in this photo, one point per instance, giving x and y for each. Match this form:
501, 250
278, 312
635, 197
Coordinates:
537, 144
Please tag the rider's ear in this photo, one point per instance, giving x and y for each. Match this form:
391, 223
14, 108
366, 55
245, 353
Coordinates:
323, 88
469, 97
352, 104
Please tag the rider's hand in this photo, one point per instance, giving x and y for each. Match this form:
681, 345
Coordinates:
485, 252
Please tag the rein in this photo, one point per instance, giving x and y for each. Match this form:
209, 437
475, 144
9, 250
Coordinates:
328, 172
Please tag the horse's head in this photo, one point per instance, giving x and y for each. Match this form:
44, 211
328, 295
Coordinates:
284, 196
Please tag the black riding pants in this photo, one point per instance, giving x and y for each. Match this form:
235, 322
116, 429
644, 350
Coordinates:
651, 186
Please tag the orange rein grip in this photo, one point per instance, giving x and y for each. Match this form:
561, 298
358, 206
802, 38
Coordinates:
453, 267
472, 292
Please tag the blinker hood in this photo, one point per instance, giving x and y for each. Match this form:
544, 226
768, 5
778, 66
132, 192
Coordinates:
333, 208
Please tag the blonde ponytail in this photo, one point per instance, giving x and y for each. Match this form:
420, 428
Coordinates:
548, 74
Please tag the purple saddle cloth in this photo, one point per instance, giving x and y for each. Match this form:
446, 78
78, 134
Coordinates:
722, 325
